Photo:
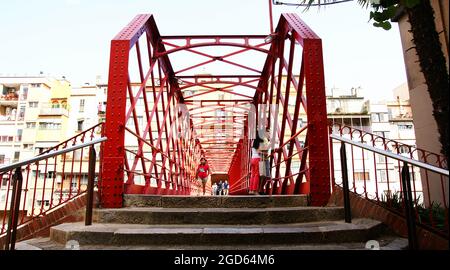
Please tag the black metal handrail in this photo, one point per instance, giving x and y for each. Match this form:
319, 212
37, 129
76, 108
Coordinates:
405, 180
18, 179
49, 155
411, 161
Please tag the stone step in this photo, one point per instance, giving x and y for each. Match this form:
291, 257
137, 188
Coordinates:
360, 230
386, 242
244, 216
263, 201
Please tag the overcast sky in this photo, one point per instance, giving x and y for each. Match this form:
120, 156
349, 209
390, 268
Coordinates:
72, 37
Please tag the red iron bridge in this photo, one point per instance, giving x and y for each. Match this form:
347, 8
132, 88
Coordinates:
162, 115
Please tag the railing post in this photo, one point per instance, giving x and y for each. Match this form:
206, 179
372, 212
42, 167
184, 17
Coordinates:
14, 210
90, 187
410, 218
345, 190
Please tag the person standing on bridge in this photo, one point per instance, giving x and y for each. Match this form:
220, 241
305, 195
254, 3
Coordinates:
254, 166
203, 173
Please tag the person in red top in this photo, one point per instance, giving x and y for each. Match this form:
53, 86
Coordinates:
203, 172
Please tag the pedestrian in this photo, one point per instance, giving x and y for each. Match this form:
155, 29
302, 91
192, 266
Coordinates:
203, 171
214, 189
226, 188
264, 163
219, 188
254, 166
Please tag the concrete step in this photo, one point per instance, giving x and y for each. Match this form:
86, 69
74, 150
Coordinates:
386, 242
264, 201
360, 230
244, 216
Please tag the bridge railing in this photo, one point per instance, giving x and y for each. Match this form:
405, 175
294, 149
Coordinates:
150, 147
33, 188
378, 169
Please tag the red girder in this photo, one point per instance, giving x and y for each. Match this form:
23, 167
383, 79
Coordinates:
165, 141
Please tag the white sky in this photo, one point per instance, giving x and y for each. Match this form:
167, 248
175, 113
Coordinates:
72, 37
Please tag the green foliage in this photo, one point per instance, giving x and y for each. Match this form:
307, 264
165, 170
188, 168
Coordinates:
383, 10
381, 15
411, 3
435, 215
436, 212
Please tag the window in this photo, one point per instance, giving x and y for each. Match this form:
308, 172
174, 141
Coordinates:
28, 146
24, 93
31, 125
6, 138
47, 125
35, 85
381, 159
21, 113
382, 176
375, 117
33, 104
16, 156
403, 149
390, 114
379, 117
81, 105
80, 125
51, 174
4, 182
55, 105
361, 176
19, 135
405, 126
74, 182
46, 202
83, 179
2, 159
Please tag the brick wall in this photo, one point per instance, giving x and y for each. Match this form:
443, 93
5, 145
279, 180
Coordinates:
362, 208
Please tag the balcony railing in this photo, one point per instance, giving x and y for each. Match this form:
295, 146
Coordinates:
7, 117
54, 111
10, 97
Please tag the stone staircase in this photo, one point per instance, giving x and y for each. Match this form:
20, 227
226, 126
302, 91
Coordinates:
217, 222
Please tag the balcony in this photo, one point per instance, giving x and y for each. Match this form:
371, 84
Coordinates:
7, 117
54, 111
9, 99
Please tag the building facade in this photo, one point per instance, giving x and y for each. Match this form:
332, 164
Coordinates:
392, 121
37, 113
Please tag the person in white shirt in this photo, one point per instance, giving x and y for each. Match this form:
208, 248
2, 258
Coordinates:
264, 164
214, 189
254, 166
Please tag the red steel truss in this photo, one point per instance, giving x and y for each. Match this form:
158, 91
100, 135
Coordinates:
163, 114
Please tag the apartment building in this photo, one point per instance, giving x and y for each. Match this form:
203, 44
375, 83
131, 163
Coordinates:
390, 120
37, 113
